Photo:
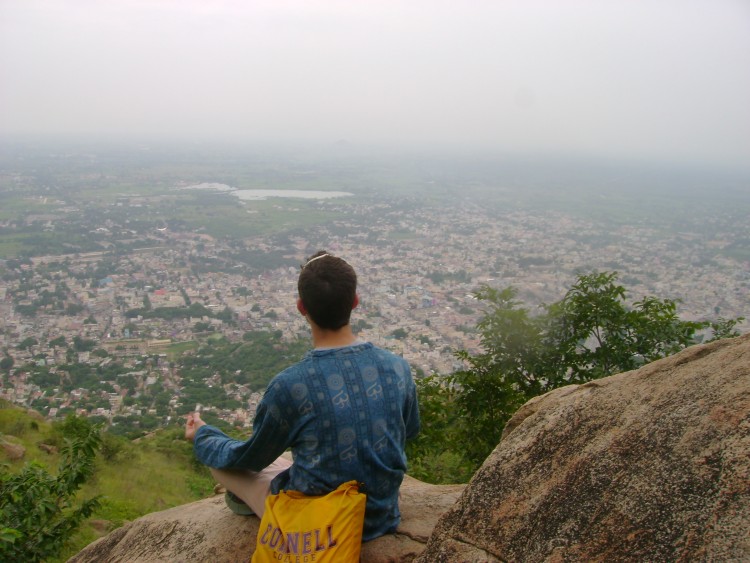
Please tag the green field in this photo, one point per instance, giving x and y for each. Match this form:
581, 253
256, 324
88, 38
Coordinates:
134, 191
178, 348
215, 214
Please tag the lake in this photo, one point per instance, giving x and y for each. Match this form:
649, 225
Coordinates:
249, 195
299, 194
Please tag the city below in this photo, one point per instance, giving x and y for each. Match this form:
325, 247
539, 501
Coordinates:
109, 323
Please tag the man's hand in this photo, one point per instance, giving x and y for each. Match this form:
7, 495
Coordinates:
191, 426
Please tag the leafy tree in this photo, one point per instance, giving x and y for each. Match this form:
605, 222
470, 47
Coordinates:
725, 328
26, 310
59, 341
6, 363
73, 309
399, 333
591, 333
440, 424
38, 510
72, 427
83, 344
27, 342
227, 315
112, 447
162, 399
70, 355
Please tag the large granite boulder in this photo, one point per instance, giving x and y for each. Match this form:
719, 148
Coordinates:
649, 465
208, 531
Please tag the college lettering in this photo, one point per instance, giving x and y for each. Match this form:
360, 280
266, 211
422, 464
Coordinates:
298, 543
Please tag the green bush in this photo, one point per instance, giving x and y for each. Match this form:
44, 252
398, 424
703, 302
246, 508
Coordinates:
593, 332
38, 510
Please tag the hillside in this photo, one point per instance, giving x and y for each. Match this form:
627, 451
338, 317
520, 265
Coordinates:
133, 477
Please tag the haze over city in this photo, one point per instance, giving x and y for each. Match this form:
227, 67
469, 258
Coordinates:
655, 81
534, 194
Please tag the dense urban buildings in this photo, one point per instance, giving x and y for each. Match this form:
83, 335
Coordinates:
141, 286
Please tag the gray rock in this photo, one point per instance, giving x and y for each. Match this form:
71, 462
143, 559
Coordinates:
48, 448
12, 450
649, 465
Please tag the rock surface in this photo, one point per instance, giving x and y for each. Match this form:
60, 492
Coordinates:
12, 450
207, 530
649, 465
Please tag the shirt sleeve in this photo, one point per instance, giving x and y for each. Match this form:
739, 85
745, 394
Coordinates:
271, 437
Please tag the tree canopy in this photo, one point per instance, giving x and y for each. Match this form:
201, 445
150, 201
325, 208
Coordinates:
39, 511
592, 332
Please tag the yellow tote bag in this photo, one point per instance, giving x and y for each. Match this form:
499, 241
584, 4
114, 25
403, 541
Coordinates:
302, 529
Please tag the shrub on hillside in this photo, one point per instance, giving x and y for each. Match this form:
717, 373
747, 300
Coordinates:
38, 510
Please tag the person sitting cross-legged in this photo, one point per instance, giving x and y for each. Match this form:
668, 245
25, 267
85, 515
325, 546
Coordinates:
345, 411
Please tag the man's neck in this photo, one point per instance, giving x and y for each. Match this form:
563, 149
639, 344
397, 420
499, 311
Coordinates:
323, 338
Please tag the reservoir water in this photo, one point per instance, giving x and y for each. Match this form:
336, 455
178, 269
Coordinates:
249, 195
300, 194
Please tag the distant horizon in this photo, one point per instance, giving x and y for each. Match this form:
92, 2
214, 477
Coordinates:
345, 149
650, 82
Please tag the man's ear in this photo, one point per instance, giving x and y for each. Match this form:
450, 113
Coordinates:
356, 301
301, 307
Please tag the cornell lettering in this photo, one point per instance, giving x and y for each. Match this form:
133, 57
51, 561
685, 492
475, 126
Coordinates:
310, 542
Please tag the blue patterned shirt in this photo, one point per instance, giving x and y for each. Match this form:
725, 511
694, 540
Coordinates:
346, 414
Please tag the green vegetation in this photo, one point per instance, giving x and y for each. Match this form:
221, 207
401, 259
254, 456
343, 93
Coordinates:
457, 277
592, 332
589, 334
6, 363
118, 206
39, 510
223, 216
139, 210
399, 333
252, 362
127, 478
12, 245
169, 313
176, 350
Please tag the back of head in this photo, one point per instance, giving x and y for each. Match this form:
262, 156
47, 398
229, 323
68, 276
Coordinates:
327, 286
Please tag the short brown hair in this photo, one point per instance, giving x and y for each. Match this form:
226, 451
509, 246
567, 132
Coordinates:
327, 286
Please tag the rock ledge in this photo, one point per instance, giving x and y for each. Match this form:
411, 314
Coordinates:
207, 530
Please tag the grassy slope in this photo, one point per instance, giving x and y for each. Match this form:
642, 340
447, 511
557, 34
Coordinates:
155, 473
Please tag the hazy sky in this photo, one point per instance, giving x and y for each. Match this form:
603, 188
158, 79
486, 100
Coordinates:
635, 78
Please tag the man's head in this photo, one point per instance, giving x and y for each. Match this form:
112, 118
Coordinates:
327, 289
